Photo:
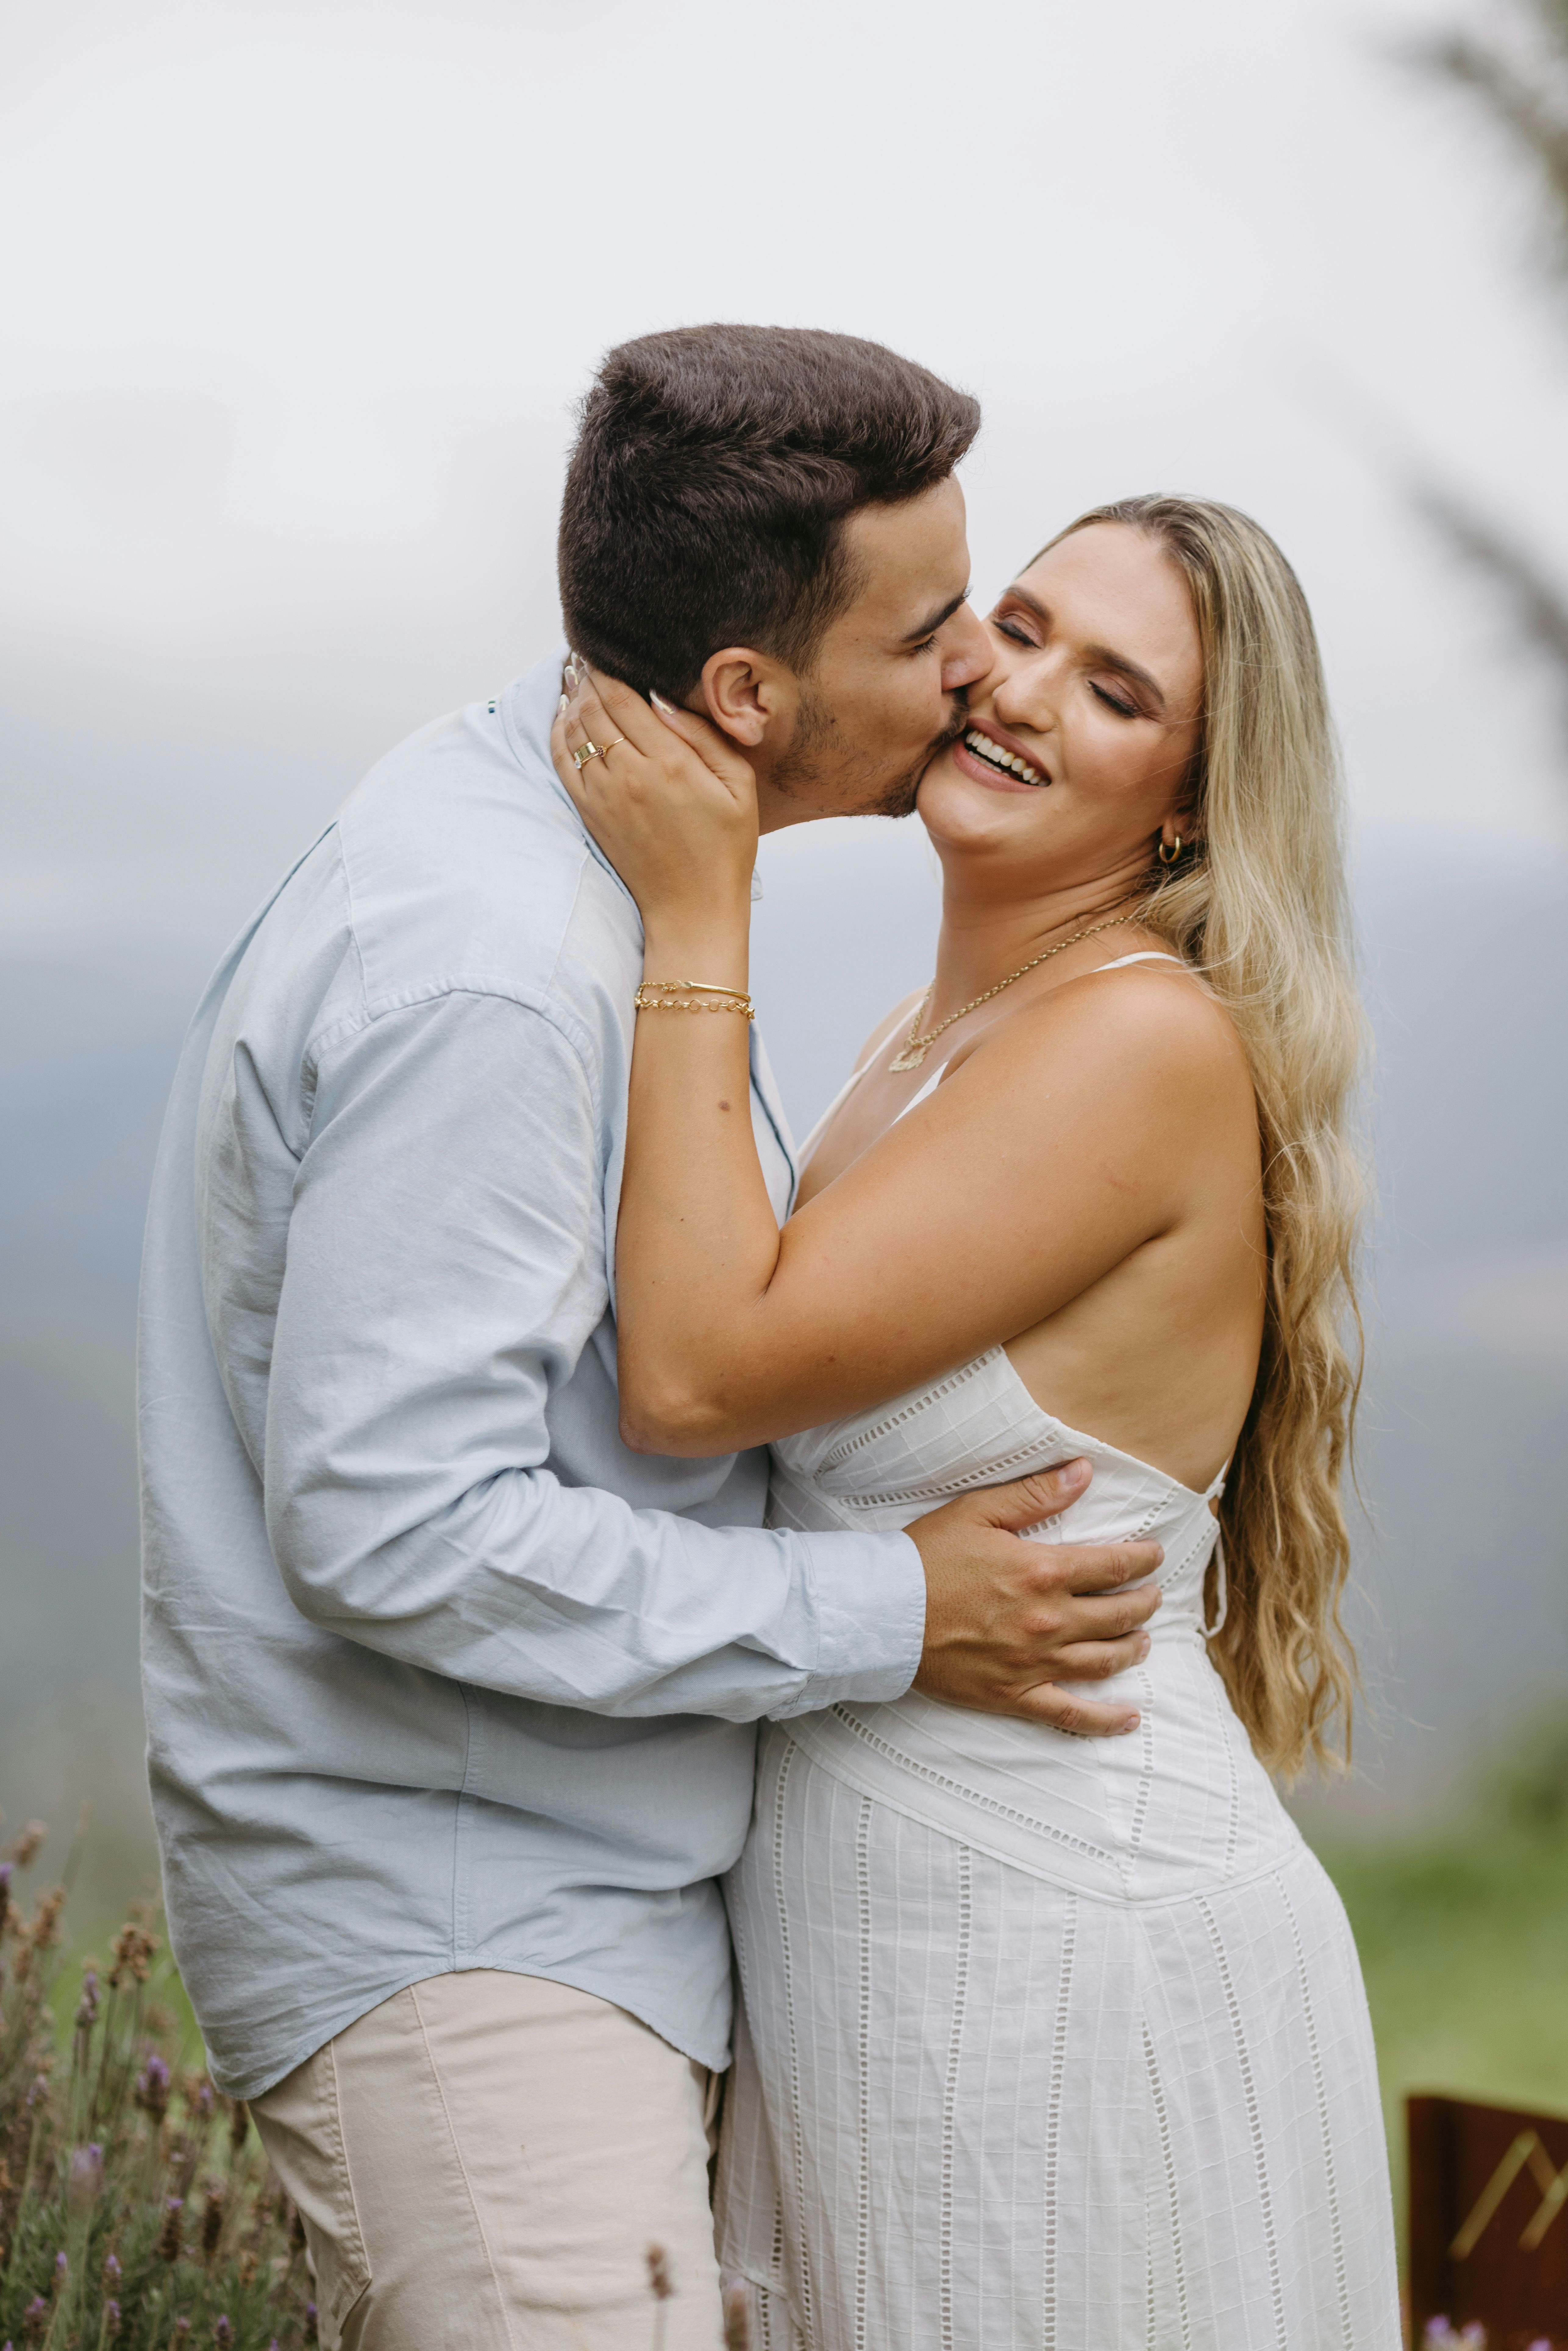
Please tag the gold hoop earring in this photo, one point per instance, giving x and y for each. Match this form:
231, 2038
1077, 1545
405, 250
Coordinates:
1170, 856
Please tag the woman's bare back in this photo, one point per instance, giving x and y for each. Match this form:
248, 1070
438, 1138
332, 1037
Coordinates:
1158, 1355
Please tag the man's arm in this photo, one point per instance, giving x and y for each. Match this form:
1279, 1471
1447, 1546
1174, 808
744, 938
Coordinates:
444, 1271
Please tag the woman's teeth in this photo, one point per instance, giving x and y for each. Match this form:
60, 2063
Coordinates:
984, 748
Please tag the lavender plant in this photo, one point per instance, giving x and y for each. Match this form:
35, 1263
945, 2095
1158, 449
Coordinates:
137, 2209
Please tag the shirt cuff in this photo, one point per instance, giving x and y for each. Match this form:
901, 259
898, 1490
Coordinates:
870, 1592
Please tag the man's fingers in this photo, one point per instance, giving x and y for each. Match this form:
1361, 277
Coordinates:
1089, 1567
1103, 1616
1082, 1717
1096, 1661
1029, 1501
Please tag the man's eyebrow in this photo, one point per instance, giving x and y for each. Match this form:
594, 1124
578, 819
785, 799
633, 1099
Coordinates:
929, 628
1103, 656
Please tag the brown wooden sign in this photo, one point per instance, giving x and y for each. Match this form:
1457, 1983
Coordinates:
1488, 2227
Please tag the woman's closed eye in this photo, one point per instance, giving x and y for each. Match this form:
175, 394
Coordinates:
1007, 625
1115, 702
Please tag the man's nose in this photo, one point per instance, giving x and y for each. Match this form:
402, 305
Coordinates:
968, 656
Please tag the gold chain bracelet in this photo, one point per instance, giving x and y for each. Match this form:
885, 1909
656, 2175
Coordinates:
675, 995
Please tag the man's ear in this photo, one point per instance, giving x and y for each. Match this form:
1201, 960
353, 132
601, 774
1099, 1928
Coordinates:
748, 694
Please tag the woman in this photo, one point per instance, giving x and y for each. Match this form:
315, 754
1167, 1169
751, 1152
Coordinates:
1050, 2043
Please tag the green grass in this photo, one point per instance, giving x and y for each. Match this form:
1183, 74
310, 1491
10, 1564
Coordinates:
1464, 1944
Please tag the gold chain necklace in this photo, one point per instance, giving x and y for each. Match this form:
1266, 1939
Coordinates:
915, 1047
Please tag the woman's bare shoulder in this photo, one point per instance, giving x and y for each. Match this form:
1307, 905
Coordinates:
1149, 1030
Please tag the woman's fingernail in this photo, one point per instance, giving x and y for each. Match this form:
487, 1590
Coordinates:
1131, 1724
564, 702
660, 704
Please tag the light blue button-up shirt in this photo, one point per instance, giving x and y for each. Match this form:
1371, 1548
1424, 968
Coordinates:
438, 1674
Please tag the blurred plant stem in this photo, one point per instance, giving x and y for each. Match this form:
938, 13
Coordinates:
1515, 77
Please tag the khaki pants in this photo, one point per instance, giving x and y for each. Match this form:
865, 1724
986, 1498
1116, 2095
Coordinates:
483, 2163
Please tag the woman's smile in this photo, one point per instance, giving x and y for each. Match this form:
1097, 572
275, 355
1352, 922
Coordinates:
992, 757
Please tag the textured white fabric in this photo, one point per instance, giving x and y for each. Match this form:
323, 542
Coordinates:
1053, 2045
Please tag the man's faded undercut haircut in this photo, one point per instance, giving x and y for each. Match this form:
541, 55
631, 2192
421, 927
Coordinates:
713, 472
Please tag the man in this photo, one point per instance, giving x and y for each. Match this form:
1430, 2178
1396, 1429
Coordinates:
450, 1694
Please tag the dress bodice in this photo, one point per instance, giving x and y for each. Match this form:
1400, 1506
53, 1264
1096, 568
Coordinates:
1181, 1802
979, 1427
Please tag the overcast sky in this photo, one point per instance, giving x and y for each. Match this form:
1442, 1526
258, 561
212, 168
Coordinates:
297, 297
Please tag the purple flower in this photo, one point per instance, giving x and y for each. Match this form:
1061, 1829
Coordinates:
152, 2086
86, 2007
169, 2235
62, 2271
110, 2319
111, 2270
87, 2175
311, 2336
222, 2332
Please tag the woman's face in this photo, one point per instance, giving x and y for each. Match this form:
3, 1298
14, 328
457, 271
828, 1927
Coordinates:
1094, 699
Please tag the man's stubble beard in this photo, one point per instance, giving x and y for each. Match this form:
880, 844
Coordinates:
811, 756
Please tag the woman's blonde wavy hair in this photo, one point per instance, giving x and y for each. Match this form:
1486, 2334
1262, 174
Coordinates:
1257, 903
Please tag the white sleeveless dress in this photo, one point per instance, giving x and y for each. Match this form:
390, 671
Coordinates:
1047, 2043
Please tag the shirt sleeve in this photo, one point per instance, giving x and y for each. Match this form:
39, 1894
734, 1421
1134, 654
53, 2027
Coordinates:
444, 1271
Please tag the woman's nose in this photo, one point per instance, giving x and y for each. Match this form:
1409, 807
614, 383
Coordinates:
1026, 697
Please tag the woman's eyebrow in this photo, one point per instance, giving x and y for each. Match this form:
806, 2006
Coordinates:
1102, 656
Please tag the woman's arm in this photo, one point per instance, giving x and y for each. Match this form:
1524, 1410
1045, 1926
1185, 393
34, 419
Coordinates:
1048, 1156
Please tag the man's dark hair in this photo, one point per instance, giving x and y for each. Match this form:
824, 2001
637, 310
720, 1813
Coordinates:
714, 470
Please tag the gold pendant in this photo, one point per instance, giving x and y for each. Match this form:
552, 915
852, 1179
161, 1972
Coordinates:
911, 1056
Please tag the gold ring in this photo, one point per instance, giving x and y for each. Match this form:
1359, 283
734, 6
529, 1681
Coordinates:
586, 751
613, 741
